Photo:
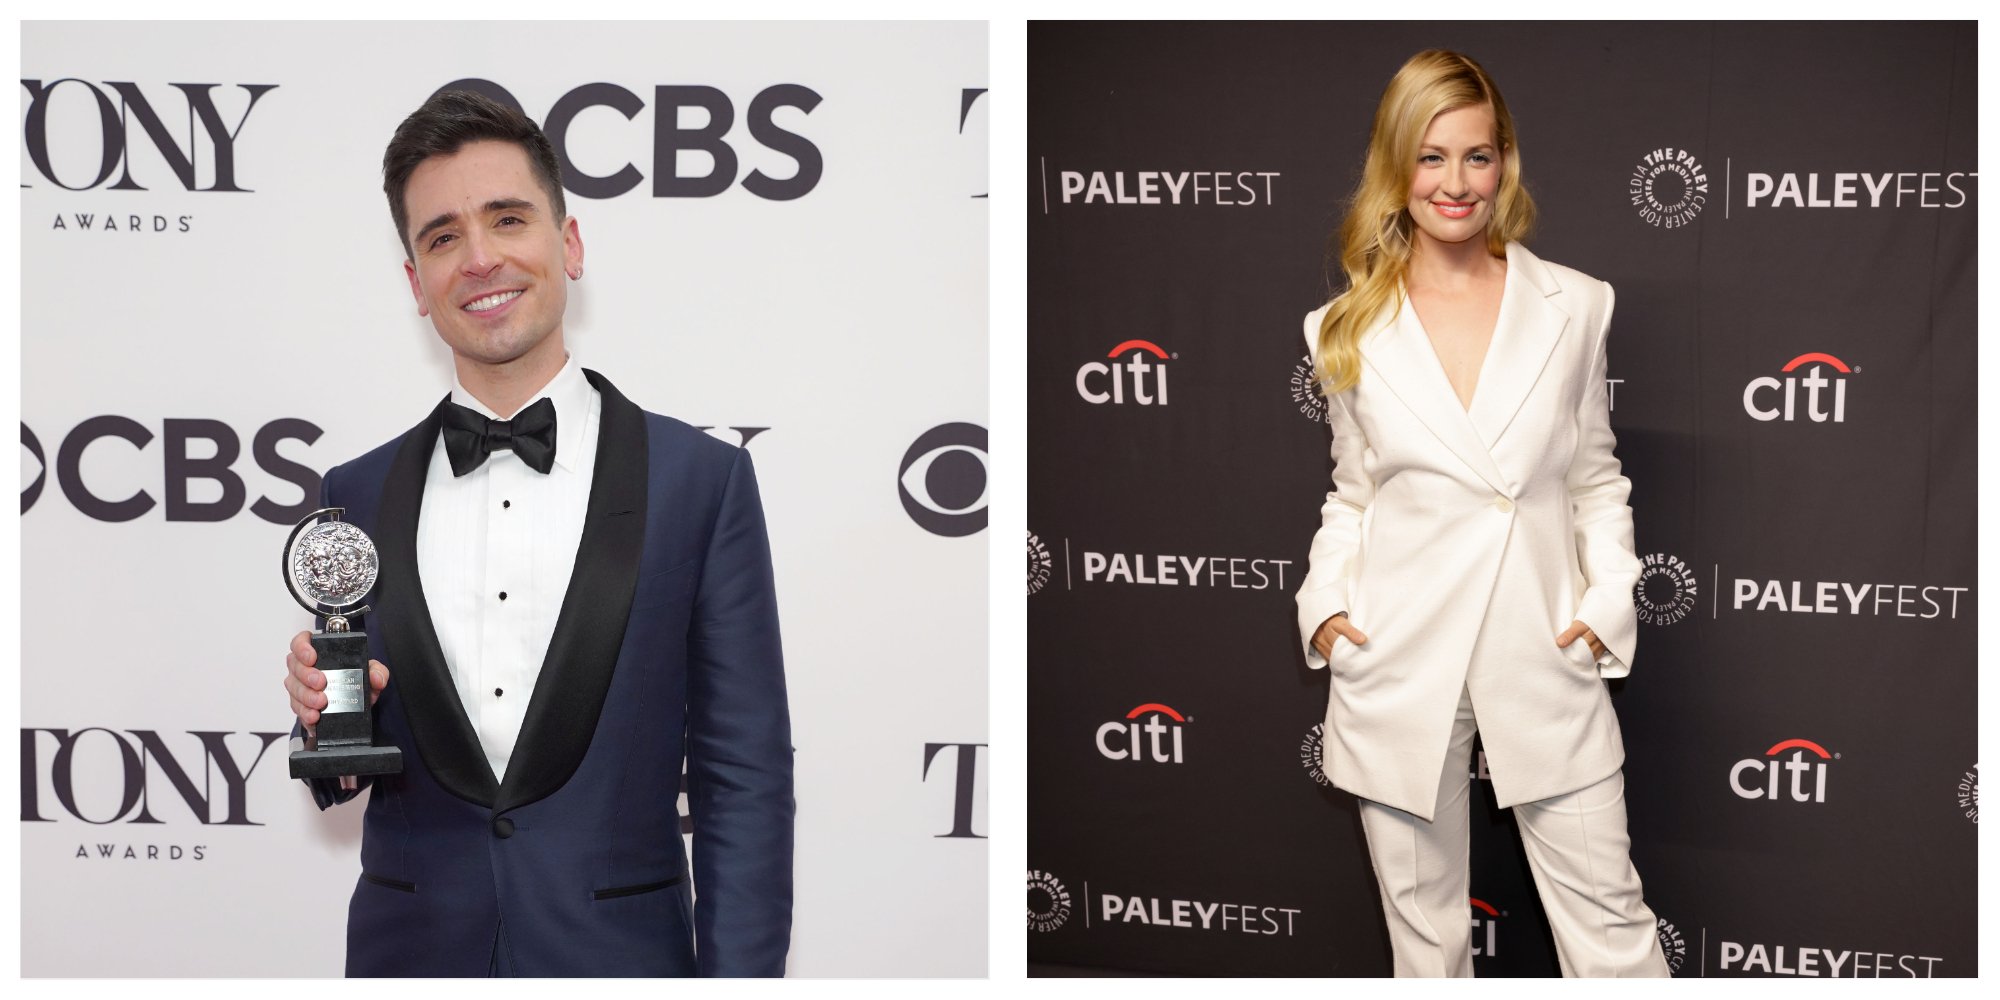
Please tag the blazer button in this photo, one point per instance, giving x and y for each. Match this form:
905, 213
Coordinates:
1503, 505
503, 828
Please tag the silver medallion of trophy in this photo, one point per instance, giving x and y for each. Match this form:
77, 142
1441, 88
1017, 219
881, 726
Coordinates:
330, 565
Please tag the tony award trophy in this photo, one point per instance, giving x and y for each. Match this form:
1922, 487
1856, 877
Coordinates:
329, 567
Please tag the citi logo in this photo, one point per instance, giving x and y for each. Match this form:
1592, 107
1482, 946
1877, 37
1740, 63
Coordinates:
1123, 740
181, 152
1145, 381
1765, 777
1485, 928
1759, 402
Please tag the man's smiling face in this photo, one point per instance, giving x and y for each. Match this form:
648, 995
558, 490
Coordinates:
487, 259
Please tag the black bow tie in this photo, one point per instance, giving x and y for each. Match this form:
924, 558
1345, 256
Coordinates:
470, 436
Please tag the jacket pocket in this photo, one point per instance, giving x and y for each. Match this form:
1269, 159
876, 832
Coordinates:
1577, 654
390, 883
636, 890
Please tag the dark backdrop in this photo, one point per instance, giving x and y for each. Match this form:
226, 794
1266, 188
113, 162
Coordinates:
1756, 194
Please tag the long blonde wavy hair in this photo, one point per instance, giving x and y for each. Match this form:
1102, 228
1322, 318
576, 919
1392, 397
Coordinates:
1374, 243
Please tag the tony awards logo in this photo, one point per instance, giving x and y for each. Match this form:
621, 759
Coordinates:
329, 567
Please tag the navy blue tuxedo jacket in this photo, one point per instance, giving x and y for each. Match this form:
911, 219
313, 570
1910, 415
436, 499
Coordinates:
666, 648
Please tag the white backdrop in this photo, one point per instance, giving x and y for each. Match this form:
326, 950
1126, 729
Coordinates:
849, 321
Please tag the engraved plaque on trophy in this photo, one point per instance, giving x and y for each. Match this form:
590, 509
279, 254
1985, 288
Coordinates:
330, 565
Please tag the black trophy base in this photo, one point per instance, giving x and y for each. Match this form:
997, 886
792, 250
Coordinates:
345, 744
336, 762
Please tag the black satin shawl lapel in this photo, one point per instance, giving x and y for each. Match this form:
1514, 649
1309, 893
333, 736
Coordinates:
444, 735
590, 630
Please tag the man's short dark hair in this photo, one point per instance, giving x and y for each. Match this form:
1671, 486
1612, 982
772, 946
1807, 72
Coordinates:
443, 126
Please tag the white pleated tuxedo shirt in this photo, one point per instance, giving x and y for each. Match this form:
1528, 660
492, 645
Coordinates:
495, 550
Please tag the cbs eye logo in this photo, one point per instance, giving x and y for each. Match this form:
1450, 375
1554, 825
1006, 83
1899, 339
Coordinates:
942, 480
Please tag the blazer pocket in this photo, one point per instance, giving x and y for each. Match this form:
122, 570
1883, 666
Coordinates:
636, 890
664, 588
390, 883
1578, 654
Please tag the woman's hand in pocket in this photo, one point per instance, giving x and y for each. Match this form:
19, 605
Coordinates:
1338, 625
1578, 630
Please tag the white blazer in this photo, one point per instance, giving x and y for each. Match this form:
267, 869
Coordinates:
1461, 542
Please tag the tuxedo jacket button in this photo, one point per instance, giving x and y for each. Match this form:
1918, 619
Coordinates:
503, 828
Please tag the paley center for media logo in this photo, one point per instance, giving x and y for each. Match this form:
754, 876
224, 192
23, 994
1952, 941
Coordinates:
1306, 393
1139, 378
1666, 591
1122, 739
1668, 188
1312, 754
1968, 794
1673, 945
1039, 565
1216, 188
1766, 398
1799, 777
1048, 901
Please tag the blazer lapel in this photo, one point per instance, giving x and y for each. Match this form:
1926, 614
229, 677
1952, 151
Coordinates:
444, 736
576, 673
1528, 329
1401, 356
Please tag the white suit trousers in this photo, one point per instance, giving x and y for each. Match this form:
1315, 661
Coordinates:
1577, 848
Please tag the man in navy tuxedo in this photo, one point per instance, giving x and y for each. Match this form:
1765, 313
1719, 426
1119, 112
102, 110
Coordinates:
576, 598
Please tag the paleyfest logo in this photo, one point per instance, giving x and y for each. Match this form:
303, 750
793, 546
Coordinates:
1669, 187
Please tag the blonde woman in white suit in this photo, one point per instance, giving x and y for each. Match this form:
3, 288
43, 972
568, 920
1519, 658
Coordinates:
1474, 564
